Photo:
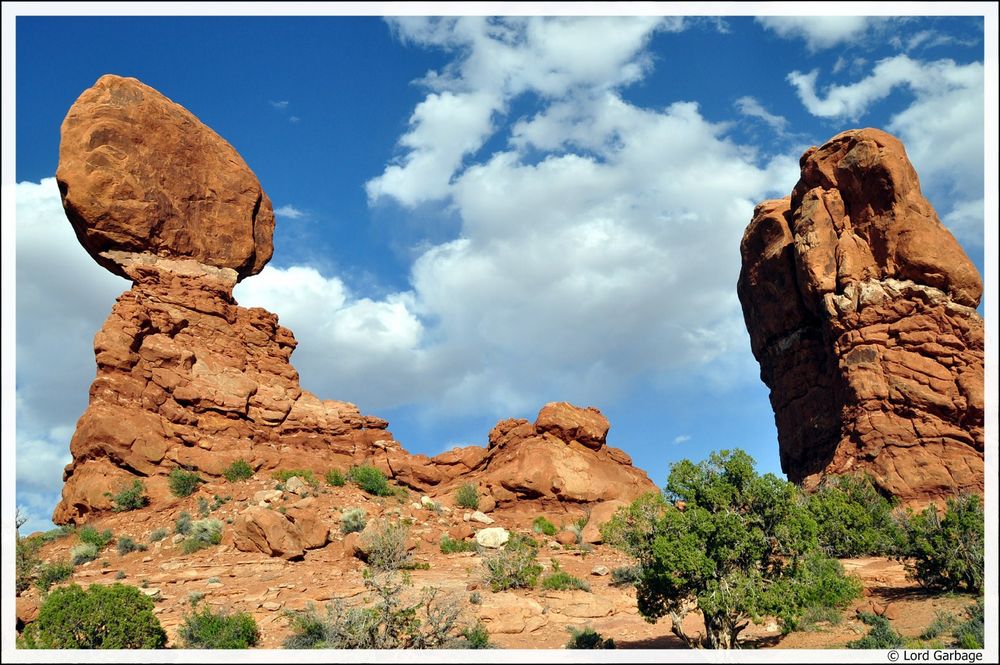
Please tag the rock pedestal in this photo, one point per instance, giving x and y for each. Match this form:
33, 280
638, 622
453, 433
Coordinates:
861, 308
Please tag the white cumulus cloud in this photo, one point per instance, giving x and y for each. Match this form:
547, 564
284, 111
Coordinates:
820, 32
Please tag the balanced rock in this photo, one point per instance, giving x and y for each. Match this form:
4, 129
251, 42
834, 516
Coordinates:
185, 377
143, 179
861, 308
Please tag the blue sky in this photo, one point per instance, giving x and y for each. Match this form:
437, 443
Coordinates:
477, 216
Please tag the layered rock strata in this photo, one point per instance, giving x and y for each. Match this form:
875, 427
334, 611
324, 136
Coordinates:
861, 308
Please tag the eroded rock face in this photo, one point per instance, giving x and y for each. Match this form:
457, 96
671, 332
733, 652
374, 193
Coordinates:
140, 175
861, 310
563, 456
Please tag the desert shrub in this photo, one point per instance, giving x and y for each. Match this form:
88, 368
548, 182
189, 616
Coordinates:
971, 634
102, 617
218, 630
132, 497
195, 597
944, 622
204, 533
370, 479
305, 474
353, 519
631, 528
183, 483
126, 546
26, 559
811, 616
50, 573
467, 496
626, 575
450, 545
818, 587
475, 598
183, 524
735, 551
880, 636
587, 638
947, 551
203, 509
513, 566
560, 580
854, 519
219, 502
92, 536
543, 526
387, 622
57, 533
82, 553
476, 637
385, 545
335, 478
120, 575
157, 535
237, 471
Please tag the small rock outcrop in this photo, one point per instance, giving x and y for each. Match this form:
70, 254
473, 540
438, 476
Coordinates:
563, 456
861, 308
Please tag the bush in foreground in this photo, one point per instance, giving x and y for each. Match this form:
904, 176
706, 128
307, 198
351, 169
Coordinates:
385, 545
128, 498
82, 553
880, 636
971, 634
947, 551
203, 533
543, 526
102, 617
450, 545
238, 471
206, 629
183, 483
854, 519
727, 541
560, 580
51, 573
352, 520
370, 479
513, 566
467, 497
387, 622
587, 638
335, 478
26, 559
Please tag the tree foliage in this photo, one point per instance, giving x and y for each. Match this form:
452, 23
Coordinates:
947, 550
854, 519
736, 545
112, 616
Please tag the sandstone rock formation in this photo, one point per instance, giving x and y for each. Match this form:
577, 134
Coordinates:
141, 177
562, 457
861, 311
187, 378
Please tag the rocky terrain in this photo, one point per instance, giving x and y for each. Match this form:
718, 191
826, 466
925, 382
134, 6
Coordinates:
861, 308
267, 586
